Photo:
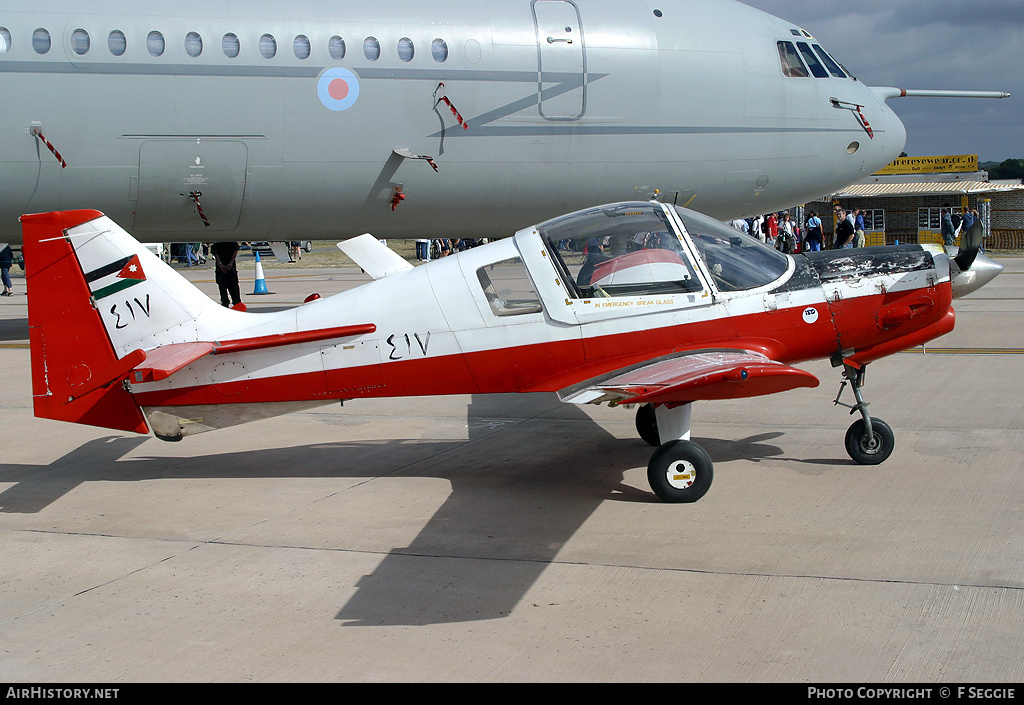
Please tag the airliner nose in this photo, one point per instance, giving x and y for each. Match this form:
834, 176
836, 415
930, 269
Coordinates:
895, 133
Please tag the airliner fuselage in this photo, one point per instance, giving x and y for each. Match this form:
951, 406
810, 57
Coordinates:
254, 121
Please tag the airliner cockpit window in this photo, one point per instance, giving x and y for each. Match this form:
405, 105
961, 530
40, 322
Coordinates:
812, 61
737, 262
831, 64
791, 63
622, 250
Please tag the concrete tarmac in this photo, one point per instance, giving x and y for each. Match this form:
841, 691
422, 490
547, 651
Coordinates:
513, 538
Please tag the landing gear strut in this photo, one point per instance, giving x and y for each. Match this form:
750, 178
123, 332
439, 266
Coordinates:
868, 441
679, 470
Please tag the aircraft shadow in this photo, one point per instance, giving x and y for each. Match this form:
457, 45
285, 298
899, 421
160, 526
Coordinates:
505, 519
507, 516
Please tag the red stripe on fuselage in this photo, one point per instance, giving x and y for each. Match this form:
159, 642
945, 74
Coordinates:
539, 367
782, 335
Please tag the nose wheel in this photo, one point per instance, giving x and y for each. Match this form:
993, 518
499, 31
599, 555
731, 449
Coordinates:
869, 441
869, 447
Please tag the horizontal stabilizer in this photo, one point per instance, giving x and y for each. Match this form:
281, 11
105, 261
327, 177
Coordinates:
697, 376
303, 336
375, 258
164, 361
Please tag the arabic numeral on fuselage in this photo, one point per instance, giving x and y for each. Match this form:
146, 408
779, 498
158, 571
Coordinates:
405, 345
122, 321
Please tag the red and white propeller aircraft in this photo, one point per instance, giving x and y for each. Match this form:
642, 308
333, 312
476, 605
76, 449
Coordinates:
637, 303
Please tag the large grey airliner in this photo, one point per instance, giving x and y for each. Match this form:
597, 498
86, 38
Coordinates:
317, 119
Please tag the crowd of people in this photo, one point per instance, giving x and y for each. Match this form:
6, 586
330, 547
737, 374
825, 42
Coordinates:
952, 224
427, 250
786, 235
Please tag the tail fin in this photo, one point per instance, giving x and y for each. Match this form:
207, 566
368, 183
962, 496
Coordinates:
97, 299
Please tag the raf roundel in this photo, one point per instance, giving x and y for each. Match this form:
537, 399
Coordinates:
338, 89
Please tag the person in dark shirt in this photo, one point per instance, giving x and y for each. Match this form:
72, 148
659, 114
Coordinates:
225, 254
845, 233
6, 260
947, 228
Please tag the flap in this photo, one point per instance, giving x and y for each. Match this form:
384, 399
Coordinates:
694, 376
375, 258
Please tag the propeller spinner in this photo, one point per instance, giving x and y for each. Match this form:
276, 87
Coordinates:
969, 269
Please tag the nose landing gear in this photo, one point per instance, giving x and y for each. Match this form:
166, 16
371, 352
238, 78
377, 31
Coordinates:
868, 441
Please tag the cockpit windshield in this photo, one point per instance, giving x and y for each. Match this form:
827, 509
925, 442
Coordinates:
737, 262
797, 59
626, 249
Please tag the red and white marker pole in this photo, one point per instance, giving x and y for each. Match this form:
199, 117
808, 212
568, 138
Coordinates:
38, 132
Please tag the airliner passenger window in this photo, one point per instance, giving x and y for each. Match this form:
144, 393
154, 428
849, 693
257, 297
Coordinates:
193, 44
41, 41
812, 61
268, 46
336, 48
5, 40
80, 42
405, 49
371, 48
117, 43
155, 43
230, 45
508, 288
791, 64
301, 47
439, 50
627, 249
736, 261
830, 63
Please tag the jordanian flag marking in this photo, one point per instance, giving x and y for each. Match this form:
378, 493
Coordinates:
116, 276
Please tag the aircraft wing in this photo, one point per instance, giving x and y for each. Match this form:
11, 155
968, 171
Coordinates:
693, 376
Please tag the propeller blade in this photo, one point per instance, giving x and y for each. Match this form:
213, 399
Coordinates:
970, 243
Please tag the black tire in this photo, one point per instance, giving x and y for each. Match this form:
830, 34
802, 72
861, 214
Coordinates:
647, 425
870, 451
680, 471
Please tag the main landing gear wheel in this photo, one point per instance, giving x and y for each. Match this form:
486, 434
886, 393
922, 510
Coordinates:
680, 471
870, 449
647, 424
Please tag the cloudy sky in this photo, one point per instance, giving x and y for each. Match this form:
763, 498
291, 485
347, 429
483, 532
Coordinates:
930, 44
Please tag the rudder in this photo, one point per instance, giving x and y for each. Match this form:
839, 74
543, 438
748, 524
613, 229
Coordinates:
76, 373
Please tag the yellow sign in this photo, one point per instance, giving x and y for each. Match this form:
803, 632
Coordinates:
932, 165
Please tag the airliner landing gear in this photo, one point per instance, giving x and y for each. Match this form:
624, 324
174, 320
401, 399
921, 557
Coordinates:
679, 470
868, 441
